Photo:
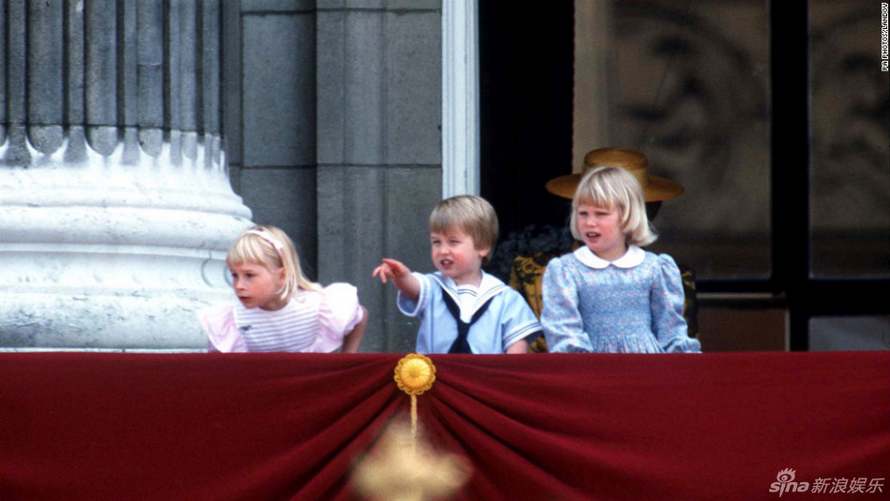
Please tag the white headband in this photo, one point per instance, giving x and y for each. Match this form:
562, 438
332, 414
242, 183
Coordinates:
268, 237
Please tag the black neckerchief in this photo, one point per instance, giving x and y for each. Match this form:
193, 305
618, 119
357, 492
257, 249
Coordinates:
460, 344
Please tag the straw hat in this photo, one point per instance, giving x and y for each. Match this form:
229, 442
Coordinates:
655, 189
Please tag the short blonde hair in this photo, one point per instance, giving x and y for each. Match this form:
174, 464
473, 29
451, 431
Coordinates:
471, 214
613, 187
270, 247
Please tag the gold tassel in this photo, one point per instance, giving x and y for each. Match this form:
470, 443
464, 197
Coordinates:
398, 471
414, 374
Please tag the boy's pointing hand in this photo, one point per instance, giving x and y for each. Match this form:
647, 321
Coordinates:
390, 269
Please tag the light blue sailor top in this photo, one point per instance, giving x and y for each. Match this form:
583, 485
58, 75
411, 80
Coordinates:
507, 320
631, 305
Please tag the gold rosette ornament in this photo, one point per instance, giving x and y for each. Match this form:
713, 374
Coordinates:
414, 374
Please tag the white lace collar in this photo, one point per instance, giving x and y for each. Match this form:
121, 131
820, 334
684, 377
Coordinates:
633, 257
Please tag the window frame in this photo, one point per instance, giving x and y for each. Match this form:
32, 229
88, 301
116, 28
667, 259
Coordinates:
790, 285
792, 281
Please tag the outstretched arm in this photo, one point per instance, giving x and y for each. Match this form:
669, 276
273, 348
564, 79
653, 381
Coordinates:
391, 269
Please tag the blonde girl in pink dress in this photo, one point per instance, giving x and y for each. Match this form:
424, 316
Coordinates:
277, 308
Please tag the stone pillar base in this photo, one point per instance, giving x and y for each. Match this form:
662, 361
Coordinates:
105, 253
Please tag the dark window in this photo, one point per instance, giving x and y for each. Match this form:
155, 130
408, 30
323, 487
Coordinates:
774, 116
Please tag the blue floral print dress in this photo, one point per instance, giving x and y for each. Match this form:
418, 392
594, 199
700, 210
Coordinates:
631, 305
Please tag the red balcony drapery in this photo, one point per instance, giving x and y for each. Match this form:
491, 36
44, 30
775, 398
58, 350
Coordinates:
279, 426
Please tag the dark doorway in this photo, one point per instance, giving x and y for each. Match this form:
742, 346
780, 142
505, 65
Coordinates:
526, 57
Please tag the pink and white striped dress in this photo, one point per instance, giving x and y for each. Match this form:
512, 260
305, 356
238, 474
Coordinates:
312, 322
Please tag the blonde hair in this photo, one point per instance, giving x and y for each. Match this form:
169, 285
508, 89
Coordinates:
271, 248
471, 214
613, 187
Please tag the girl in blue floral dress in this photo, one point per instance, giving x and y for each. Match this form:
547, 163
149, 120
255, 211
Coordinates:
610, 295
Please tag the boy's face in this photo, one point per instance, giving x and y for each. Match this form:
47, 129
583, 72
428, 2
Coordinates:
455, 254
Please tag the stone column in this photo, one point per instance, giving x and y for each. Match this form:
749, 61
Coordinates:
277, 162
590, 99
379, 147
115, 205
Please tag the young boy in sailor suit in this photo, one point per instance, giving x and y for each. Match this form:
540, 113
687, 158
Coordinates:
462, 308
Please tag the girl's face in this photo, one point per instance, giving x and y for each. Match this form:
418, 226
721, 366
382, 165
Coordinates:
455, 254
600, 230
258, 287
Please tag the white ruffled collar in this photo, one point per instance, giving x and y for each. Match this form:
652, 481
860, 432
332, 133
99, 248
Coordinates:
633, 257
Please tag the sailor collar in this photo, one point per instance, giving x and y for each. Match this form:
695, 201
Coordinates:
633, 257
489, 287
